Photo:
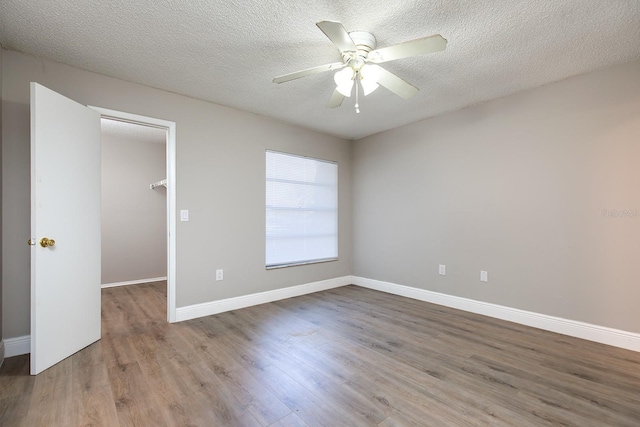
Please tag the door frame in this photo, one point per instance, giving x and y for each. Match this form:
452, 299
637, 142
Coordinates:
171, 193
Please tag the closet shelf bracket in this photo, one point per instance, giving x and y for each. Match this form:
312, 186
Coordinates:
162, 183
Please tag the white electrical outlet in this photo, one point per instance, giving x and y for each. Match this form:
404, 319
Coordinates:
219, 274
484, 276
442, 269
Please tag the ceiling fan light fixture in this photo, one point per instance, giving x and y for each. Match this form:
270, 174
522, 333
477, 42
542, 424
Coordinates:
369, 75
344, 81
368, 86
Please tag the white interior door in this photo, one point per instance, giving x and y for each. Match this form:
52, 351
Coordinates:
65, 207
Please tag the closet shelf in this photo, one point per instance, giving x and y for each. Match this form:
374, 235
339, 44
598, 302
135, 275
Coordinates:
162, 183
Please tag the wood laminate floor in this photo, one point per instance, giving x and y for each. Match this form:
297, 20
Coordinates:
343, 357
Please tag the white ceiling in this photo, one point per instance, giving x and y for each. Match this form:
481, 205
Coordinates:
227, 52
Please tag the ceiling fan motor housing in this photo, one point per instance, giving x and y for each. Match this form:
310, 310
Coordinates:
365, 42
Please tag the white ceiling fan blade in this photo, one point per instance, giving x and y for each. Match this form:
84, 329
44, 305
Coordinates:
338, 35
435, 43
396, 85
335, 100
309, 71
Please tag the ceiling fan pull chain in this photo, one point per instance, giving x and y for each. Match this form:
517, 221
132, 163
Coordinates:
357, 77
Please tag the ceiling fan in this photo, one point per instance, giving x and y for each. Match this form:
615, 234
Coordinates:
360, 60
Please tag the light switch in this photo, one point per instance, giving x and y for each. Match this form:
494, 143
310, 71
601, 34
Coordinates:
484, 276
184, 215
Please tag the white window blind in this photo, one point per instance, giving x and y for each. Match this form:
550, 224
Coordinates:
301, 210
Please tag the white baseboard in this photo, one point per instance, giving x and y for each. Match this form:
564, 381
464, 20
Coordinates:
22, 345
134, 282
215, 307
614, 337
17, 346
587, 331
1, 352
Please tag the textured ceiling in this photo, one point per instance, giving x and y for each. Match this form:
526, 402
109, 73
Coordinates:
227, 52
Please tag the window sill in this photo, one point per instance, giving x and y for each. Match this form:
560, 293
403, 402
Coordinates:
295, 264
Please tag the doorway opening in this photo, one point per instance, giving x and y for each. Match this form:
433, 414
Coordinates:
133, 251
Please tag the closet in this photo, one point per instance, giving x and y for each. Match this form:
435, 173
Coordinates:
134, 203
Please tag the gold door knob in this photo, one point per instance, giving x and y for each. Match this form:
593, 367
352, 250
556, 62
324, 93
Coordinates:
45, 242
30, 242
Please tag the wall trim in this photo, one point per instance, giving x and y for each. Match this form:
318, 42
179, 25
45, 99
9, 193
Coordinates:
601, 334
214, 307
17, 346
1, 340
133, 282
573, 328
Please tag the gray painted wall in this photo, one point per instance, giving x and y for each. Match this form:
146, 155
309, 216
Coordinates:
1, 97
220, 179
134, 218
518, 187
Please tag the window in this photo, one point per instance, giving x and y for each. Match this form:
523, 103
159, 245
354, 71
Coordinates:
301, 210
